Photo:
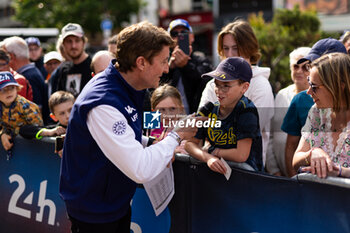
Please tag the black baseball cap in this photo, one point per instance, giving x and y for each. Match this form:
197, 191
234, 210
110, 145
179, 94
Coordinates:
230, 69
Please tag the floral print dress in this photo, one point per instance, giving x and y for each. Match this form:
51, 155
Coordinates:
317, 132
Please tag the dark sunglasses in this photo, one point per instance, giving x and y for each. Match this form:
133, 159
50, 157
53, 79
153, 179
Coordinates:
305, 67
313, 86
176, 33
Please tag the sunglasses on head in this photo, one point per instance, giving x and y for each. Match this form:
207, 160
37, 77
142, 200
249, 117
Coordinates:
305, 67
176, 33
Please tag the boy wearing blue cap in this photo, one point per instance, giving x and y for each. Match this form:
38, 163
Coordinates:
15, 110
238, 139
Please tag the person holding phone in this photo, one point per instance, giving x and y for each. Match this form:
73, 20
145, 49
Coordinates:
186, 66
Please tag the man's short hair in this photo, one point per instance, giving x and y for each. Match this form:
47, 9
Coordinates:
17, 46
298, 53
141, 39
4, 55
113, 40
59, 97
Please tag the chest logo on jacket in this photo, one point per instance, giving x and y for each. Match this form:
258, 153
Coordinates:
129, 109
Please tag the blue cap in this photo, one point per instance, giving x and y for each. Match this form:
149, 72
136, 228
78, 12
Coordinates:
230, 69
33, 40
321, 47
179, 22
7, 79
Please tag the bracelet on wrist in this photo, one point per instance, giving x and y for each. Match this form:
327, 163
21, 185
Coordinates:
150, 140
216, 152
38, 136
340, 170
175, 136
306, 160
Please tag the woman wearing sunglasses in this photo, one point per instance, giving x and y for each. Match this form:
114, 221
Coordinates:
324, 148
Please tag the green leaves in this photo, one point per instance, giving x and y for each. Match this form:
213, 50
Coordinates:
88, 13
288, 30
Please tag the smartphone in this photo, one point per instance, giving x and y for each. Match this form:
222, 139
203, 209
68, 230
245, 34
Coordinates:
59, 143
184, 43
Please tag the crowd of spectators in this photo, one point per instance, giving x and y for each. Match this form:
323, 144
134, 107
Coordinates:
59, 76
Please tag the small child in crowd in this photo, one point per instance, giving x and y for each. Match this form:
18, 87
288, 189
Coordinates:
238, 138
167, 100
15, 110
60, 104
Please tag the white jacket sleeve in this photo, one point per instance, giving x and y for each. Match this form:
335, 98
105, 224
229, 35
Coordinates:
122, 149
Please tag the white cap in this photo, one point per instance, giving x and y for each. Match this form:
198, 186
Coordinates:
52, 55
72, 29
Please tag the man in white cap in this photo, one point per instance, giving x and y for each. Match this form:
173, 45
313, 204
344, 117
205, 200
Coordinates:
72, 76
52, 60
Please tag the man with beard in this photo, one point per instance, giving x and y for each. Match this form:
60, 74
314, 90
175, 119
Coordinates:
73, 75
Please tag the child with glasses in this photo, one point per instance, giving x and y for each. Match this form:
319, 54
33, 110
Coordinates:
324, 147
237, 39
15, 110
238, 138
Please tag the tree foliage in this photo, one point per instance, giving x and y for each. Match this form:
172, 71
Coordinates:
88, 13
288, 30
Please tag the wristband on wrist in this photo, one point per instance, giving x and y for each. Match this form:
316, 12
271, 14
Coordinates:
150, 140
216, 152
38, 136
307, 161
175, 136
340, 170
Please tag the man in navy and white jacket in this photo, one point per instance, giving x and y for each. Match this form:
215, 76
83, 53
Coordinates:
104, 156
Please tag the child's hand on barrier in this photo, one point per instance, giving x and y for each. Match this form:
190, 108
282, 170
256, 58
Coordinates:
215, 164
59, 130
6, 141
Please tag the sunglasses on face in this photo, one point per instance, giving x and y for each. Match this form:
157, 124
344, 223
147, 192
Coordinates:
176, 33
305, 67
313, 87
